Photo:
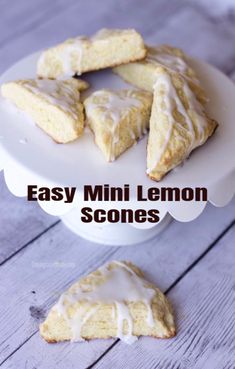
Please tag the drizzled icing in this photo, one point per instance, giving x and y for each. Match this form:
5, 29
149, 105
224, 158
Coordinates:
74, 48
105, 33
117, 284
59, 93
117, 106
171, 62
172, 101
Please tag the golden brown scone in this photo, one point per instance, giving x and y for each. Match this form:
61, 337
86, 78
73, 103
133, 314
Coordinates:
54, 105
113, 301
118, 119
178, 123
107, 48
81, 84
143, 73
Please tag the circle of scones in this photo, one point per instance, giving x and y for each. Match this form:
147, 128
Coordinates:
171, 102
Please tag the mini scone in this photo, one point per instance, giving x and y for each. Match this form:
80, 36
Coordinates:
113, 301
107, 48
143, 73
178, 124
118, 119
53, 105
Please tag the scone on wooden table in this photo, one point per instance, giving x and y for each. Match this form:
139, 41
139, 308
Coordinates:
107, 48
53, 105
178, 124
113, 301
143, 73
118, 118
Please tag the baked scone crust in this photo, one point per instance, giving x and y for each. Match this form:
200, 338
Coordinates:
107, 48
144, 73
81, 85
178, 123
98, 306
54, 105
118, 119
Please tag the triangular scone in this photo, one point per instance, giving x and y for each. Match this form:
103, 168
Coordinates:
143, 73
113, 301
118, 119
107, 48
178, 124
81, 84
54, 105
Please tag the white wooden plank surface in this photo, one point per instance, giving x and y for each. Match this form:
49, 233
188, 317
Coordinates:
194, 33
216, 8
163, 259
66, 23
20, 222
22, 16
205, 304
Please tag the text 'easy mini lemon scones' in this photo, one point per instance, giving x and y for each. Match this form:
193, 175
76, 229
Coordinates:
178, 124
106, 48
54, 105
118, 119
143, 73
113, 301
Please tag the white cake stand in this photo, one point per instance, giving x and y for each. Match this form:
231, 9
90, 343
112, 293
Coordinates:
28, 156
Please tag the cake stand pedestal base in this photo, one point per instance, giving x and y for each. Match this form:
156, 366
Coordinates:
118, 234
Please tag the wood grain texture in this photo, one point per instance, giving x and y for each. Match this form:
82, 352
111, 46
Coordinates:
65, 22
216, 8
163, 260
196, 34
22, 17
20, 222
204, 303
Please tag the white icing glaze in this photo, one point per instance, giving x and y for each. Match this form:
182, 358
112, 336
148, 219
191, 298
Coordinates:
116, 107
171, 101
195, 106
75, 46
56, 92
121, 285
171, 62
42, 60
105, 34
65, 53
